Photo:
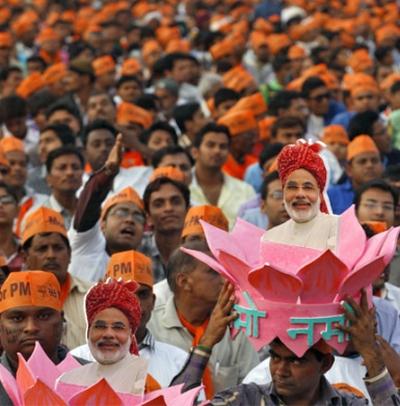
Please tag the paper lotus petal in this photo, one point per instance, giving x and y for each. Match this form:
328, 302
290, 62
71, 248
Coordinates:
10, 385
41, 394
99, 394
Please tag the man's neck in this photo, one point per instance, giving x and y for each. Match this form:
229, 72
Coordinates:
195, 313
167, 243
208, 176
305, 399
66, 200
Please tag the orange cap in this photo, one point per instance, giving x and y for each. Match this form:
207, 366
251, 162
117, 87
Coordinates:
47, 34
239, 122
257, 40
222, 49
237, 79
351, 80
360, 145
8, 144
25, 22
178, 45
211, 214
30, 288
363, 87
126, 195
389, 81
103, 65
276, 42
149, 47
387, 31
130, 67
30, 85
255, 103
3, 159
54, 73
296, 52
130, 265
264, 128
335, 133
168, 172
5, 40
360, 60
263, 26
128, 113
43, 220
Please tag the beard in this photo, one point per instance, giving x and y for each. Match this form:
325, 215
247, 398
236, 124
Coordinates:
302, 216
109, 357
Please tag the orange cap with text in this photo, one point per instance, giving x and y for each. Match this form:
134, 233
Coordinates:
211, 214
30, 288
239, 122
131, 266
335, 133
167, 172
43, 220
8, 144
360, 145
124, 196
103, 65
30, 85
255, 102
128, 113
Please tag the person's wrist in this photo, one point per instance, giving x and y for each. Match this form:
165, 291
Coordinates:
207, 342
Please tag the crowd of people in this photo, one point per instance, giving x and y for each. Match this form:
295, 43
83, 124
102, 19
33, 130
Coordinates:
127, 124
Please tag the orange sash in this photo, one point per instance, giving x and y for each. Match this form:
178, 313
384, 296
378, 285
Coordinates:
65, 289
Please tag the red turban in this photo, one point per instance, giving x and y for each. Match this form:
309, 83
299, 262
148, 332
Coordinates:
117, 294
303, 156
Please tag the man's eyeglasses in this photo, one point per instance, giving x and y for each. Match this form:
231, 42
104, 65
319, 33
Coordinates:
123, 213
389, 207
276, 195
7, 199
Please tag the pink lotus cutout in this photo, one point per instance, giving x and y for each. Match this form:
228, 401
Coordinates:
294, 293
36, 384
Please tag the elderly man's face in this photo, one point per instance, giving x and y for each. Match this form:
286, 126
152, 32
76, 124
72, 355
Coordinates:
109, 336
301, 196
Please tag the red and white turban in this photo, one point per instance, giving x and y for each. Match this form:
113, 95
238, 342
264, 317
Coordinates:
117, 294
303, 156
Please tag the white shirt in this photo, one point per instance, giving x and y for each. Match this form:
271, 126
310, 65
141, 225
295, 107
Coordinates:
344, 370
392, 295
163, 293
165, 360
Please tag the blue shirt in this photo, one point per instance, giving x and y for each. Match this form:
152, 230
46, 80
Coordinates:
388, 325
341, 196
253, 176
343, 119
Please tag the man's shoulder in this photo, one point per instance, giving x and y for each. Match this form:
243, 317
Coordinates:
244, 394
237, 183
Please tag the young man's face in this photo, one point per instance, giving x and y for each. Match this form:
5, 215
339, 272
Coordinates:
290, 135
48, 141
65, 117
66, 174
273, 205
100, 107
159, 139
17, 126
129, 91
376, 205
98, 146
8, 208
180, 161
18, 168
381, 137
318, 101
213, 150
365, 167
182, 71
365, 100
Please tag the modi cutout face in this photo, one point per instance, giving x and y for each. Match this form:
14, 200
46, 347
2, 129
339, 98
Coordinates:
301, 196
109, 336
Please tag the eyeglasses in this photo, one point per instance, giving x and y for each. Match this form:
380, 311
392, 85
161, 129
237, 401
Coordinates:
124, 213
321, 97
389, 207
276, 195
7, 199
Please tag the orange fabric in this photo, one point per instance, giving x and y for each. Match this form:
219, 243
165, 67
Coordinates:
168, 172
65, 288
3, 160
364, 87
131, 265
335, 133
239, 122
235, 169
127, 194
238, 79
54, 73
178, 45
5, 40
149, 47
258, 40
151, 384
25, 22
255, 103
8, 144
50, 59
43, 220
341, 386
351, 80
30, 85
23, 209
197, 332
376, 226
211, 214
389, 81
264, 128
130, 67
360, 145
263, 26
30, 288
387, 31
360, 60
222, 49
47, 34
276, 42
131, 158
165, 34
103, 65
128, 113
296, 52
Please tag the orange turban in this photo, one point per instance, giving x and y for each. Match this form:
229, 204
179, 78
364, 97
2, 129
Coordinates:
103, 65
128, 113
54, 73
263, 26
5, 40
8, 144
131, 266
43, 220
127, 195
351, 80
167, 172
165, 34
389, 81
255, 103
30, 85
30, 288
130, 67
211, 214
335, 133
25, 22
239, 122
360, 145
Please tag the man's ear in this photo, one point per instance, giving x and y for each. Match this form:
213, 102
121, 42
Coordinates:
182, 280
348, 169
195, 153
48, 180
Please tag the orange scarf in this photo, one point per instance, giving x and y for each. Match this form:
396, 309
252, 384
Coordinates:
197, 332
65, 289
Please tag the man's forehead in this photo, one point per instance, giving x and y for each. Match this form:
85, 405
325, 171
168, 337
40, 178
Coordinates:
111, 314
375, 193
41, 238
126, 205
27, 310
301, 176
365, 155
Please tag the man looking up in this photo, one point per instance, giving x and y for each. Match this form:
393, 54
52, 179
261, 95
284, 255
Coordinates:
303, 176
166, 201
210, 185
31, 314
99, 232
363, 165
45, 246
